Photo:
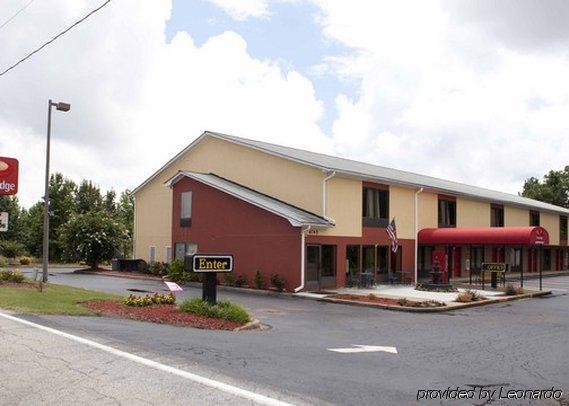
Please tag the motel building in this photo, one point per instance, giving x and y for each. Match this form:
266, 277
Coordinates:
320, 221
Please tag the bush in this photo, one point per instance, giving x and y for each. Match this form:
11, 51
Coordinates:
3, 262
220, 310
12, 276
403, 302
147, 300
259, 280
229, 279
11, 249
241, 281
158, 268
278, 282
511, 290
469, 296
25, 260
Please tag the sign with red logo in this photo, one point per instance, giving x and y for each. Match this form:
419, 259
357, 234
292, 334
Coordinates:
8, 176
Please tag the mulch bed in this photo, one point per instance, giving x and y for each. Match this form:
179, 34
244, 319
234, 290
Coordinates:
387, 301
164, 314
367, 299
18, 284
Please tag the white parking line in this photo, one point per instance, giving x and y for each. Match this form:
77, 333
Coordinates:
364, 348
233, 390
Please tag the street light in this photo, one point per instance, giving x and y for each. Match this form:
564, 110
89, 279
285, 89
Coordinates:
60, 107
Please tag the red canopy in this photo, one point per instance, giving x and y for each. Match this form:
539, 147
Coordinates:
485, 235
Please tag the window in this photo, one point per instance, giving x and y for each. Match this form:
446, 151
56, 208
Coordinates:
168, 254
497, 216
476, 258
353, 259
152, 255
447, 213
375, 209
547, 259
186, 209
425, 261
563, 227
534, 218
183, 248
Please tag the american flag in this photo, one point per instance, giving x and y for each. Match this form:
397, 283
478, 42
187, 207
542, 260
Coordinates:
392, 232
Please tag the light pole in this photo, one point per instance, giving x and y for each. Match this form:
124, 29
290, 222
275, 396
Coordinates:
61, 107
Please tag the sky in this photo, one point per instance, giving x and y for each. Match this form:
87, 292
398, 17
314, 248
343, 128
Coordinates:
471, 91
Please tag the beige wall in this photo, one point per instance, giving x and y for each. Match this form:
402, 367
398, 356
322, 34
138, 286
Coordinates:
515, 217
551, 223
344, 201
472, 213
402, 208
428, 210
294, 183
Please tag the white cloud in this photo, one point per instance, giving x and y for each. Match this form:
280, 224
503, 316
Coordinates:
445, 98
136, 99
243, 9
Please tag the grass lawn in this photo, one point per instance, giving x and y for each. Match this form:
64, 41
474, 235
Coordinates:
55, 299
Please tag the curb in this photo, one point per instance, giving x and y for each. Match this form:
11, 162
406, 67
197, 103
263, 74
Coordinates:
252, 325
454, 306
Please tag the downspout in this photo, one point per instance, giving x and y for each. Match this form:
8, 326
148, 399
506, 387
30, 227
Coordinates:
330, 175
417, 234
303, 232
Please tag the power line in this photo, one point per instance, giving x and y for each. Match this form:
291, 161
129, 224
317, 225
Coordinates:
5, 23
54, 38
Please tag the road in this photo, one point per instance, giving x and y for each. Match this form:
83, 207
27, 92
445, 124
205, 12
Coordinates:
515, 345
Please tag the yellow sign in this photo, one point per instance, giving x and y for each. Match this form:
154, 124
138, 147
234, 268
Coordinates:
494, 267
213, 263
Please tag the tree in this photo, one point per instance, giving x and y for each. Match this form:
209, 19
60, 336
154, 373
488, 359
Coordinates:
11, 205
33, 229
554, 188
88, 197
109, 204
61, 207
125, 214
92, 237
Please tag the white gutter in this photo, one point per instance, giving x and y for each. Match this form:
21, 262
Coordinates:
417, 233
330, 175
303, 232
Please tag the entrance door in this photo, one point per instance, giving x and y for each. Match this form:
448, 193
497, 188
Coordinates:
320, 267
456, 261
312, 265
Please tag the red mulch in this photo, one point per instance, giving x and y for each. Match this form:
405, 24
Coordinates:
367, 299
18, 285
164, 314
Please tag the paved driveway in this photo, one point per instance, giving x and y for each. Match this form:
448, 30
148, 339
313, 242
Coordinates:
517, 345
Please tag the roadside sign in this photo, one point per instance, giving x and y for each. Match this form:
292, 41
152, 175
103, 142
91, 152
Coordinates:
212, 263
3, 221
494, 267
8, 176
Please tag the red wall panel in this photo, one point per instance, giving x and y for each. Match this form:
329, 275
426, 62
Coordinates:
259, 240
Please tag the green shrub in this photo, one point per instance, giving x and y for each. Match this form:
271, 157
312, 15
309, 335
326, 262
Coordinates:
259, 280
11, 249
3, 262
147, 300
158, 268
229, 279
240, 281
177, 274
220, 310
25, 260
12, 276
278, 282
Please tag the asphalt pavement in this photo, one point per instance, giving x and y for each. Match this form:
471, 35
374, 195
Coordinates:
514, 345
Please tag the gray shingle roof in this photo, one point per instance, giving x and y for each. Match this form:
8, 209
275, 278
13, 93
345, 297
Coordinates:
382, 174
296, 216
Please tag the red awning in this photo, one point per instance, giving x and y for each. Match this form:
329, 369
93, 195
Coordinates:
485, 235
